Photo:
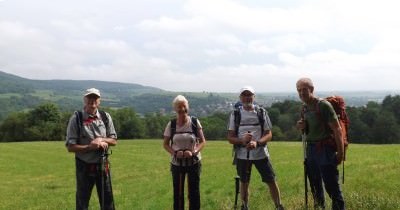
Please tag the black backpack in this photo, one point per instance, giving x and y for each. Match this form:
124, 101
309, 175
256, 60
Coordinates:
79, 121
237, 117
260, 114
194, 128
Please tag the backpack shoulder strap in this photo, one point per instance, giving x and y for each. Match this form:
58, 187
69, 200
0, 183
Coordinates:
237, 118
320, 116
173, 128
79, 121
104, 117
194, 126
318, 109
260, 114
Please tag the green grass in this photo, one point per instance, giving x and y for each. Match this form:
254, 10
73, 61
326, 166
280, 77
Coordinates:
41, 175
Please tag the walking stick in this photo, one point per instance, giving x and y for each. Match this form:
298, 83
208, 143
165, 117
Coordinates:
105, 175
344, 158
237, 178
103, 171
248, 168
181, 174
303, 139
103, 165
248, 165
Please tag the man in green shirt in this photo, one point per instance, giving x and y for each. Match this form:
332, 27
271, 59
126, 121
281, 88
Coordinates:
325, 147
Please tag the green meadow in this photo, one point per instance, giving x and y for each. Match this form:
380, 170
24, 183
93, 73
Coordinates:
41, 175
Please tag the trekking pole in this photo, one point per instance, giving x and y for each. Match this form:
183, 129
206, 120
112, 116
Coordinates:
237, 178
344, 158
248, 168
248, 158
105, 175
103, 171
108, 176
180, 184
303, 139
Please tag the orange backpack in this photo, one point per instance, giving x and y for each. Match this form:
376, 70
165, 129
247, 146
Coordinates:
339, 106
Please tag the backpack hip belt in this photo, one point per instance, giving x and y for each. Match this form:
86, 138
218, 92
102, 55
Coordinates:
320, 144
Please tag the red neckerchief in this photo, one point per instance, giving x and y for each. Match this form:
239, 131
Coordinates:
90, 119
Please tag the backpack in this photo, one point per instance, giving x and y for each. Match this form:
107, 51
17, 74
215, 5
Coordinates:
237, 117
339, 106
260, 114
194, 128
79, 121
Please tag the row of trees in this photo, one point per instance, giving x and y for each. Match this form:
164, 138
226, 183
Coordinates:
373, 123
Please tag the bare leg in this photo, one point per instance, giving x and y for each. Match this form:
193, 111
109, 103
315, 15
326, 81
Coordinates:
244, 192
275, 193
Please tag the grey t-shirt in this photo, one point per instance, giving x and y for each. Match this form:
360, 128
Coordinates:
92, 127
247, 124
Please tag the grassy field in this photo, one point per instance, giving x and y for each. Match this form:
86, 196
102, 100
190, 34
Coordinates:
41, 175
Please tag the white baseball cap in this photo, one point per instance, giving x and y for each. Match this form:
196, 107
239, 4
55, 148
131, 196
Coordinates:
93, 91
247, 88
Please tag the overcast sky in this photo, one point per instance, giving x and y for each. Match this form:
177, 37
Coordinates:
205, 45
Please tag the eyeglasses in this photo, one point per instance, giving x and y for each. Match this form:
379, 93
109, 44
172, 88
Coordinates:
246, 94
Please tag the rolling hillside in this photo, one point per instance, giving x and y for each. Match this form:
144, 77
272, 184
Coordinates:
17, 93
15, 84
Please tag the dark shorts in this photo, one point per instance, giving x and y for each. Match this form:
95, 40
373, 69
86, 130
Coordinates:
263, 166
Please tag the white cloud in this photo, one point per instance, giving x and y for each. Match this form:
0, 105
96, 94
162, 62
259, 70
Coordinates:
206, 45
72, 28
173, 25
257, 20
260, 46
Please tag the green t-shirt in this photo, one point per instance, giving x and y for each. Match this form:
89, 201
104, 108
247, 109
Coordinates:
317, 126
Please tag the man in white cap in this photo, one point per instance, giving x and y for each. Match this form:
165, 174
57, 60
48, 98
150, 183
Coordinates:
89, 134
249, 130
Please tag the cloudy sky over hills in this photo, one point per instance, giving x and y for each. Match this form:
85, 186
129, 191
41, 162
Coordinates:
205, 45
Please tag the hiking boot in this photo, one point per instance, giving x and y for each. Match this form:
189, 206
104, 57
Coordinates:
244, 207
319, 207
280, 207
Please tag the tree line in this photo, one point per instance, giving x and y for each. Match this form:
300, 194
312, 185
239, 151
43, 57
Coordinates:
377, 123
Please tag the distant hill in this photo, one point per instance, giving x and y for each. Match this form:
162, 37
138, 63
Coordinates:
18, 94
15, 84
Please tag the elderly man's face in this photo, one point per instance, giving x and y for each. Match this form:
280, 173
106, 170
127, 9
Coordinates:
247, 98
91, 103
305, 92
